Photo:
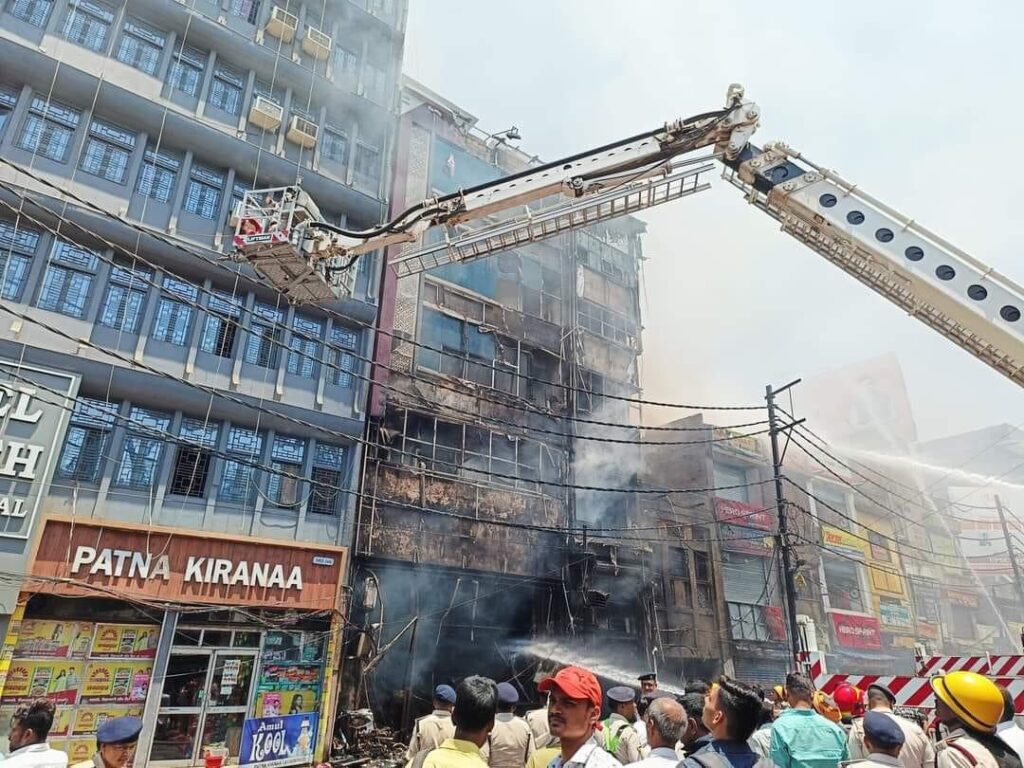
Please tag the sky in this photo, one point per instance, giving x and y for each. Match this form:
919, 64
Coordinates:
918, 103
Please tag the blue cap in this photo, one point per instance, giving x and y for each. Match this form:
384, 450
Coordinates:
445, 693
883, 731
507, 693
621, 694
119, 730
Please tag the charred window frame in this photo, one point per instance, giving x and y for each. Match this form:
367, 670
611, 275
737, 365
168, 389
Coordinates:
287, 458
467, 352
220, 330
474, 453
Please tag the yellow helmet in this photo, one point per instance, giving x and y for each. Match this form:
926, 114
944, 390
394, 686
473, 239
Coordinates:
973, 698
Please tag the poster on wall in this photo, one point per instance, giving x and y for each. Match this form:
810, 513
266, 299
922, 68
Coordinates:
88, 718
112, 682
61, 719
58, 681
78, 749
53, 639
125, 641
272, 703
272, 742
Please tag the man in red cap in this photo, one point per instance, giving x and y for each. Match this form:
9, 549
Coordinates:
574, 709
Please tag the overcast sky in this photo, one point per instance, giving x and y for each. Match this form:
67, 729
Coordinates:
918, 103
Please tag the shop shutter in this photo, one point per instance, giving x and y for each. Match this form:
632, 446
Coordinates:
744, 578
767, 672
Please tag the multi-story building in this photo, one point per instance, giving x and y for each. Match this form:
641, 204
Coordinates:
467, 506
183, 446
723, 600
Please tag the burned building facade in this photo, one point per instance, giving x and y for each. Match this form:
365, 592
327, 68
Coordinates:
468, 512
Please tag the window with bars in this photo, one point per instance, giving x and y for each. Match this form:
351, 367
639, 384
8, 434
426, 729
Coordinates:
334, 147
142, 450
34, 12
87, 440
246, 9
227, 89
158, 176
238, 192
186, 73
173, 315
108, 149
345, 61
88, 23
202, 196
221, 327
17, 248
727, 475
8, 99
328, 474
48, 129
304, 357
191, 470
67, 280
125, 299
286, 459
367, 164
263, 345
376, 83
237, 482
343, 363
141, 46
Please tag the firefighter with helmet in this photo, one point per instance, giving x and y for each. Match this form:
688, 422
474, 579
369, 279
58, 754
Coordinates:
970, 706
850, 701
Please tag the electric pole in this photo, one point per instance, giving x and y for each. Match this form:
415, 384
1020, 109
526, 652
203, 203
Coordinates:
782, 538
1013, 555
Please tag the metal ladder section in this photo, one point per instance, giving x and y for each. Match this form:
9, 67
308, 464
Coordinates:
969, 303
618, 201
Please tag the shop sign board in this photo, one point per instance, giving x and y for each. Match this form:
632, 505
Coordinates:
740, 513
895, 614
181, 566
35, 406
842, 542
273, 742
854, 631
751, 541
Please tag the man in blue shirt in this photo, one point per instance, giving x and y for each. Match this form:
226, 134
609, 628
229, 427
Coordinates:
801, 738
730, 715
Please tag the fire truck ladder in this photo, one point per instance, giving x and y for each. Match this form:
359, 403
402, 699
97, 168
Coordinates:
534, 227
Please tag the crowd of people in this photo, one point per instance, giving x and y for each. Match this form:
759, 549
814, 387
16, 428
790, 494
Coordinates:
725, 724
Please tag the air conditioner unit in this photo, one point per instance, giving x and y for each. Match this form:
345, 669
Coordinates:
282, 24
302, 132
265, 113
316, 43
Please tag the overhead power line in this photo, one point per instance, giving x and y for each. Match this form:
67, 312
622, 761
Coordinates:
326, 363
191, 251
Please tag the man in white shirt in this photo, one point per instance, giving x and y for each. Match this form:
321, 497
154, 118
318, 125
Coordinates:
1008, 731
666, 720
574, 709
30, 725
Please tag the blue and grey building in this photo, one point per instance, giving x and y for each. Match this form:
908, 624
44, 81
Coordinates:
183, 393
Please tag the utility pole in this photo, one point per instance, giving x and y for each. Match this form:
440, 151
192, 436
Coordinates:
1013, 556
782, 538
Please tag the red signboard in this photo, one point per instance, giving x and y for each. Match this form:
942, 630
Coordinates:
773, 619
862, 632
747, 515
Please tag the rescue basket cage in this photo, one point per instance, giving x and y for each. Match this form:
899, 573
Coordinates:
271, 234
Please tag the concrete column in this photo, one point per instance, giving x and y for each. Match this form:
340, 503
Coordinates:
179, 192
156, 684
204, 91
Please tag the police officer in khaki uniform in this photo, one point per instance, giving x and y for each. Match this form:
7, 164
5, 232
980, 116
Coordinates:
619, 736
917, 749
430, 730
970, 706
510, 744
116, 741
537, 719
882, 740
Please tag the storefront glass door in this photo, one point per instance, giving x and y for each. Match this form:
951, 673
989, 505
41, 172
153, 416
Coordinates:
205, 698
